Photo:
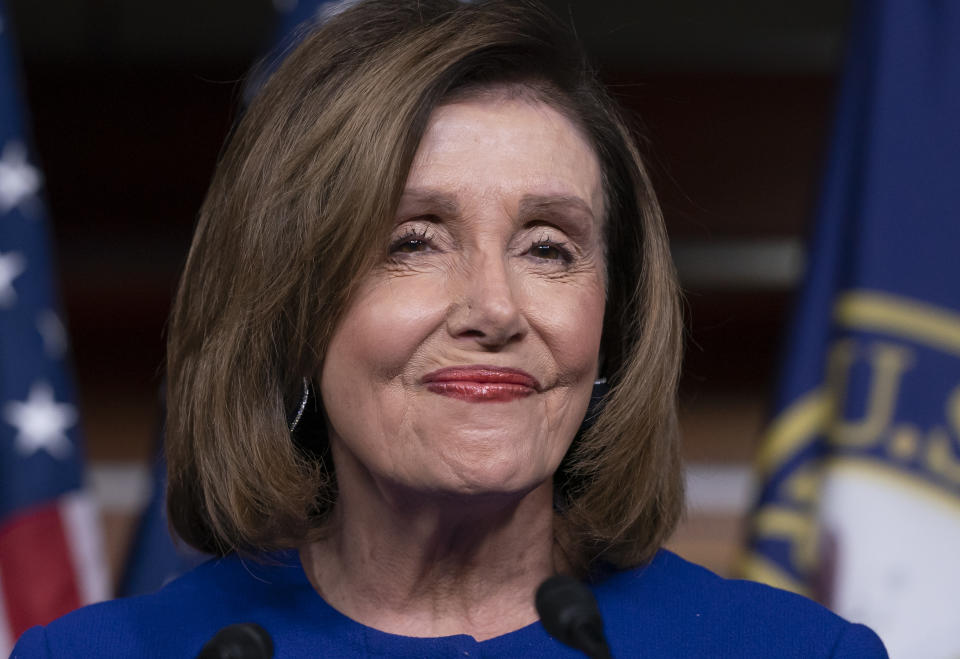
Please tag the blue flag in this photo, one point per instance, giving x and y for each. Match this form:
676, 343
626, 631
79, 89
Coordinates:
295, 15
50, 555
859, 497
155, 556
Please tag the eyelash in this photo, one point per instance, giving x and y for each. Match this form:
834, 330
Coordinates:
420, 236
565, 254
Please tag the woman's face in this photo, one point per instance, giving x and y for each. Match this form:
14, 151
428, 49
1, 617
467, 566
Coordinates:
465, 363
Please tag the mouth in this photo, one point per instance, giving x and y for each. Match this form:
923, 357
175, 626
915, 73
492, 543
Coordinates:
480, 383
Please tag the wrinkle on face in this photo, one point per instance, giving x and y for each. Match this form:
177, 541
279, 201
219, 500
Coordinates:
492, 179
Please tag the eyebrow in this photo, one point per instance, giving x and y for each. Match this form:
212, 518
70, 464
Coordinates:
565, 204
441, 201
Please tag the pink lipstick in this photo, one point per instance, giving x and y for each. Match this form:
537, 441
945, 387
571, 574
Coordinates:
481, 383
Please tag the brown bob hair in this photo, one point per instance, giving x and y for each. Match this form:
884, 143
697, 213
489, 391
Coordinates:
299, 210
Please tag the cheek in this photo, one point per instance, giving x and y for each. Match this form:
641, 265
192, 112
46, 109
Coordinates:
362, 378
571, 322
584, 333
383, 328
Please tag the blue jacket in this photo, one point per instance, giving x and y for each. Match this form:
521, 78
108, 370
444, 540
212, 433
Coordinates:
669, 608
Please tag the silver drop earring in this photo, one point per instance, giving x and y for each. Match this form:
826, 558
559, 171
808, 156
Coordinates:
303, 405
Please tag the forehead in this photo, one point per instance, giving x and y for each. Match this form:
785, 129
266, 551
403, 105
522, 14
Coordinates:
510, 147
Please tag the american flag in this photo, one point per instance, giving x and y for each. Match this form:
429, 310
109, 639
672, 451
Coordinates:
51, 559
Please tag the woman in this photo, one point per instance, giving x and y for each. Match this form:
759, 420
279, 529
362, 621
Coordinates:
428, 238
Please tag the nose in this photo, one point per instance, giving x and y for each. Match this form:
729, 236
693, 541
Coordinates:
487, 308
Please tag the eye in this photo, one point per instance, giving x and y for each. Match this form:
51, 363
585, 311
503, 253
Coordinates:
409, 245
413, 240
549, 250
546, 251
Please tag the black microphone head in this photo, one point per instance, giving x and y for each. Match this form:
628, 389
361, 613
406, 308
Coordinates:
245, 640
569, 613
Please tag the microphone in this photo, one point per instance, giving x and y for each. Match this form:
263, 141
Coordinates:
245, 640
569, 613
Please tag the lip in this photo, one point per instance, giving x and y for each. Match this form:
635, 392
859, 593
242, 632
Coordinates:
481, 383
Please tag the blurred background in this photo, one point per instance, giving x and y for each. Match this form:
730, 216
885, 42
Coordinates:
130, 103
820, 401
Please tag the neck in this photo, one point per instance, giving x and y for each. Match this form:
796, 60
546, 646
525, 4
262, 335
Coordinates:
435, 566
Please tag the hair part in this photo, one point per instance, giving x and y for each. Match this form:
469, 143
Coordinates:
316, 168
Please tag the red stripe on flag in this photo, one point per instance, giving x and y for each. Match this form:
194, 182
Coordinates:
39, 583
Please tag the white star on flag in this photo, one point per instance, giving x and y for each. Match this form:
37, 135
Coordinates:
41, 422
19, 181
12, 264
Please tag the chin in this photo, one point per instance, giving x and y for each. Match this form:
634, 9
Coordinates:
488, 461
494, 478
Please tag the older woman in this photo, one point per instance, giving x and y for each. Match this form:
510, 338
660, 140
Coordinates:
428, 239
